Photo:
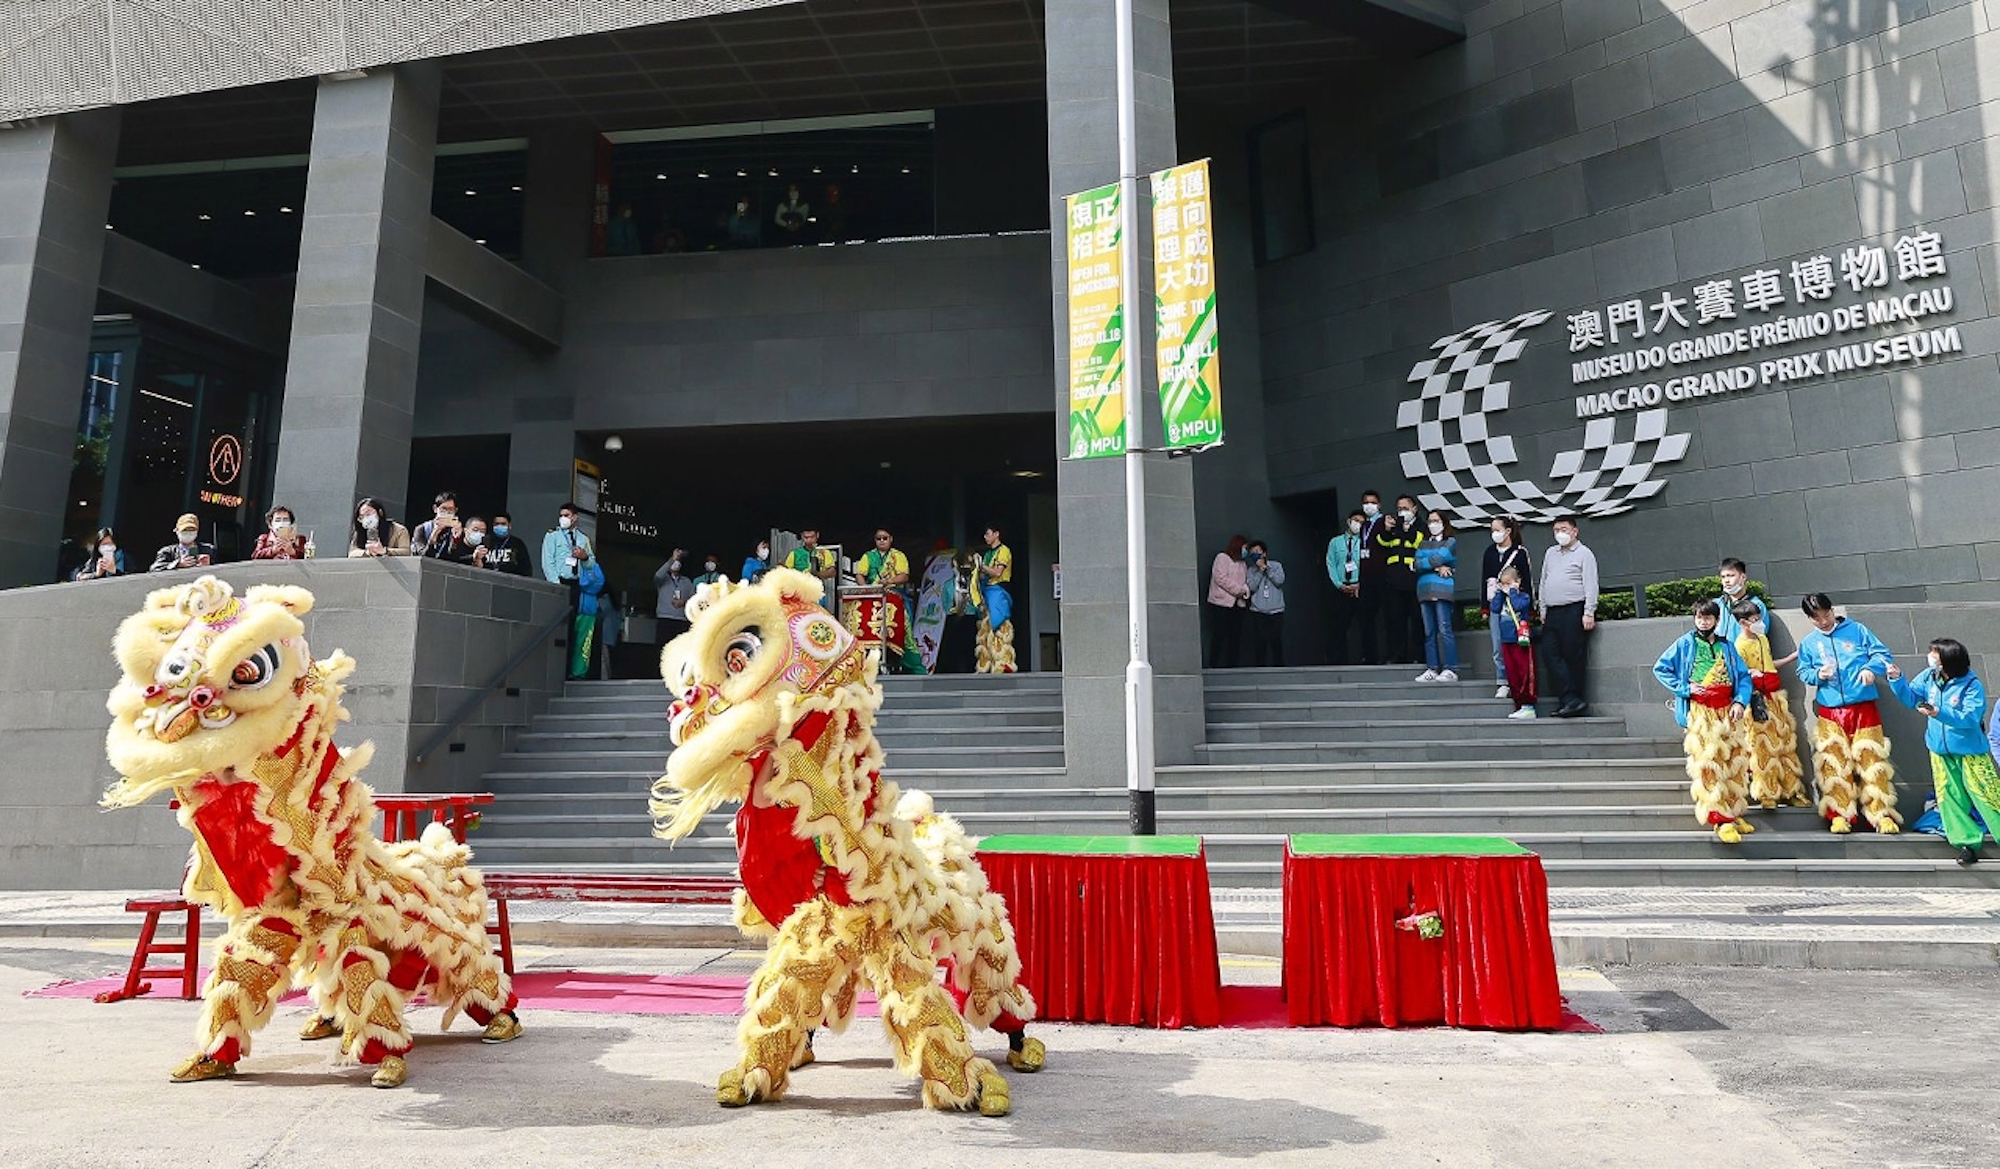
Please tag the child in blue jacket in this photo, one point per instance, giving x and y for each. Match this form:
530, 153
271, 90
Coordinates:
1950, 695
1841, 660
1711, 689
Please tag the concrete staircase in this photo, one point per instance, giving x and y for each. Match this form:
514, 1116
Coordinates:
1322, 749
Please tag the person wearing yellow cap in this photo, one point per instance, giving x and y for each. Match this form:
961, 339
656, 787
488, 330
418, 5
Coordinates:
187, 550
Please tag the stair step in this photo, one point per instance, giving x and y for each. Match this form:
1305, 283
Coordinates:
1489, 724
1424, 712
1522, 752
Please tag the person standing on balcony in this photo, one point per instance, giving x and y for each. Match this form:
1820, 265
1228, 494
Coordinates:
1228, 602
1266, 619
281, 539
504, 550
187, 550
676, 590
1568, 605
108, 560
1370, 595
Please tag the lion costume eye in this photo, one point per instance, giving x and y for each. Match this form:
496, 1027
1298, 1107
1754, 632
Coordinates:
743, 647
256, 670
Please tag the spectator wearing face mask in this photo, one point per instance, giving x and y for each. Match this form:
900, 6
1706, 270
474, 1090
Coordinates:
1394, 550
108, 560
676, 590
1371, 595
504, 550
1568, 605
441, 537
473, 548
1436, 564
757, 563
1775, 772
187, 550
1343, 568
564, 549
1953, 699
711, 571
375, 534
1735, 576
1506, 553
281, 539
1413, 527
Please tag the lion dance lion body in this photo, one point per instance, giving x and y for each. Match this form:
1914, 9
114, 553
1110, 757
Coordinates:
774, 709
222, 704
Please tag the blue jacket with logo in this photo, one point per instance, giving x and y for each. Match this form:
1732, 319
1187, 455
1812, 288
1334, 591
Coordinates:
1728, 626
1675, 670
1956, 728
1849, 648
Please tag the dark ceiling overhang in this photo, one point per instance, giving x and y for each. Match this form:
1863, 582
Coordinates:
1395, 26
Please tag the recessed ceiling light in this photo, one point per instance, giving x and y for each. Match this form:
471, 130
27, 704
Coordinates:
856, 170
815, 170
906, 170
774, 172
471, 192
701, 174
285, 210
479, 241
517, 187
1025, 473
108, 227
251, 214
196, 267
662, 178
203, 217
743, 174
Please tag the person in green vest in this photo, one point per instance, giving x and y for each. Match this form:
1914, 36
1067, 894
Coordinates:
814, 560
886, 565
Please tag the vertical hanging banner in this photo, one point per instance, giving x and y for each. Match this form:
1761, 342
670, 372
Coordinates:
1096, 325
1184, 301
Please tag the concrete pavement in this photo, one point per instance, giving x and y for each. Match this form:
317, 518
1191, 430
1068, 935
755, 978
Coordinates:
1697, 1067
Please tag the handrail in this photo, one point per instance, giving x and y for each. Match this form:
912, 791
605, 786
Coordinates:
473, 703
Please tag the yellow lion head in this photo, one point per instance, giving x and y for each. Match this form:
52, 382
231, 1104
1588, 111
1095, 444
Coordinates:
754, 658
210, 680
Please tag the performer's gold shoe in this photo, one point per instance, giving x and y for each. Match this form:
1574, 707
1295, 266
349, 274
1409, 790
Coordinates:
729, 1090
1799, 802
803, 1058
504, 1027
1839, 826
1745, 826
1889, 828
200, 1067
1033, 1054
1728, 834
1768, 805
993, 1099
392, 1072
321, 1027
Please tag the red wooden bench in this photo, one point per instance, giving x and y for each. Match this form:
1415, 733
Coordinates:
639, 890
189, 950
403, 815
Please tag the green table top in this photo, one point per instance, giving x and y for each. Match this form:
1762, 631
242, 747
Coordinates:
1095, 845
1326, 844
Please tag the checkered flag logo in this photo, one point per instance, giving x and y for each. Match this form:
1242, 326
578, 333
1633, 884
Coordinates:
1467, 464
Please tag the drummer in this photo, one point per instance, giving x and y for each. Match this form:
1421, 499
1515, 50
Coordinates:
887, 567
814, 560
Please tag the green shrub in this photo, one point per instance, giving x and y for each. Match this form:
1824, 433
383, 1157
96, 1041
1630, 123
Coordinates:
1617, 605
1677, 598
1475, 617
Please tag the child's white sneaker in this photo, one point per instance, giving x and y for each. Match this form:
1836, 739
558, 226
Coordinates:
1501, 691
1526, 712
1447, 675
1428, 676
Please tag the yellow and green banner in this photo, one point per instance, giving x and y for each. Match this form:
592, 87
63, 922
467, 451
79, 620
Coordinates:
1184, 301
1096, 325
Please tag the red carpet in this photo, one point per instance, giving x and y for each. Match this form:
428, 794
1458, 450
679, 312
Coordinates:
1252, 1008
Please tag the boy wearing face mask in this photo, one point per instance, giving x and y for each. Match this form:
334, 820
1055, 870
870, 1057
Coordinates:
1343, 568
505, 551
709, 573
1711, 688
473, 548
1775, 773
1735, 577
281, 539
1951, 696
758, 563
187, 550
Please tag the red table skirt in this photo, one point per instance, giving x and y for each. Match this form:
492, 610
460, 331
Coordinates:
1128, 940
1347, 964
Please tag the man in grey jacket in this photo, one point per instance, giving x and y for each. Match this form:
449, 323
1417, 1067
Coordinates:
1266, 578
675, 592
1568, 601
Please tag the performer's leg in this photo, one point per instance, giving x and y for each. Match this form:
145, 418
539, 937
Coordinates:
1878, 780
1954, 799
929, 1034
1833, 771
252, 972
1791, 783
1708, 750
784, 1004
374, 985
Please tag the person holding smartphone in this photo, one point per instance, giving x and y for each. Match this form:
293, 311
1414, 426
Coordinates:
1951, 696
187, 550
375, 534
442, 537
108, 561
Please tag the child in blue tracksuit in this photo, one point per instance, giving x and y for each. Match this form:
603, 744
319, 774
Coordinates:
1436, 559
1950, 695
1711, 689
1841, 660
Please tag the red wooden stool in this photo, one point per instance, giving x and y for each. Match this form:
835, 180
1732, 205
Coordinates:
190, 950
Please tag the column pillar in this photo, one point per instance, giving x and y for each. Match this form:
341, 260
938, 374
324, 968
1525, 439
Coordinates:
555, 243
1090, 495
55, 187
357, 317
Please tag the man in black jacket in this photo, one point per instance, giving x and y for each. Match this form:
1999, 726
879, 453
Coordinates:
504, 550
187, 550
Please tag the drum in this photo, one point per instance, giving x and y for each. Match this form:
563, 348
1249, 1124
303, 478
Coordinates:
876, 617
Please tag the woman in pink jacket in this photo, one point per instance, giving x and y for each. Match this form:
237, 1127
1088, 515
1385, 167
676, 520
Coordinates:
1228, 599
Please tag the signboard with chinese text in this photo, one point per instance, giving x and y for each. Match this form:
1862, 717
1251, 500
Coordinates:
1096, 325
1184, 301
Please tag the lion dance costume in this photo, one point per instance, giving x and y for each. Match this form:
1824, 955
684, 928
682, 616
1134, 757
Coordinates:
1848, 740
774, 710
1775, 774
222, 704
1711, 686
